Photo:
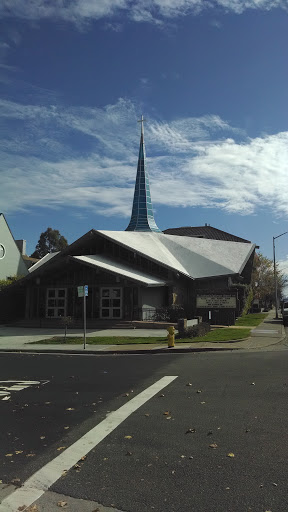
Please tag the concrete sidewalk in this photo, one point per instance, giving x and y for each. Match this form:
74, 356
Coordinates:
19, 339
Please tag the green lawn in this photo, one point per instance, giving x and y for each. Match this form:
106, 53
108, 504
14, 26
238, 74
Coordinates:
224, 334
252, 320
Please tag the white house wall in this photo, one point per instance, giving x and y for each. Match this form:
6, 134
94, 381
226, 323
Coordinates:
11, 263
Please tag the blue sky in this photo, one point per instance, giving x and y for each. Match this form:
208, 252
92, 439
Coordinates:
211, 80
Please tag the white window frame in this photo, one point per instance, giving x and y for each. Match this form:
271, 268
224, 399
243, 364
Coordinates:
56, 298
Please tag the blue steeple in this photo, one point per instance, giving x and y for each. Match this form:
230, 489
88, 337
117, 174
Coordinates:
142, 217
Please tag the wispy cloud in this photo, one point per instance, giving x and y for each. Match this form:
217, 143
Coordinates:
151, 11
53, 156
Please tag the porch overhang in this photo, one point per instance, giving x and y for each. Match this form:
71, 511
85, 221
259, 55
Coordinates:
115, 267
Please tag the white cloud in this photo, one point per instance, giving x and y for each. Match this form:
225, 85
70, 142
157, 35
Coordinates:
151, 11
191, 162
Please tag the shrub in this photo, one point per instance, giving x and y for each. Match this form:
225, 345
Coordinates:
195, 330
169, 314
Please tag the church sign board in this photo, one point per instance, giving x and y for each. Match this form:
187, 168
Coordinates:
223, 301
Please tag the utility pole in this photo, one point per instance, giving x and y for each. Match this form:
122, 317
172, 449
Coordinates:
275, 274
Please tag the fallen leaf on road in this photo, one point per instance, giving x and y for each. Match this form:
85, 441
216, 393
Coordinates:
9, 455
190, 431
188, 384
61, 448
199, 391
230, 454
166, 413
18, 451
42, 437
275, 485
202, 403
161, 396
62, 504
125, 394
84, 457
96, 510
66, 428
173, 472
6, 398
168, 417
182, 456
76, 466
64, 473
252, 383
21, 508
30, 455
70, 409
213, 445
129, 453
32, 508
147, 414
47, 403
127, 437
16, 481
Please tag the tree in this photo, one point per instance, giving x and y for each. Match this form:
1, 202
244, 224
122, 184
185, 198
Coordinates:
263, 282
50, 241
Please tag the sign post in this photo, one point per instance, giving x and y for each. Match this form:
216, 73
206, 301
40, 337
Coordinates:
83, 292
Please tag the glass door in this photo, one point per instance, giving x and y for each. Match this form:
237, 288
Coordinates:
111, 303
56, 302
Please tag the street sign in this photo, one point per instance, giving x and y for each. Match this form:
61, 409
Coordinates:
86, 290
80, 290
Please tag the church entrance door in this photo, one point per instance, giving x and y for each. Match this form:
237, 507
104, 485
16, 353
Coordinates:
111, 303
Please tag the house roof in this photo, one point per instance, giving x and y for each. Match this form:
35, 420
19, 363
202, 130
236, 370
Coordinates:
43, 260
194, 257
205, 232
119, 268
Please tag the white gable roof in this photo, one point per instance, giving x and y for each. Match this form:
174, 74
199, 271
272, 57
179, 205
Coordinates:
195, 257
119, 269
43, 260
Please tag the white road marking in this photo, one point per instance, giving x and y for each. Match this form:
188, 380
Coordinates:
42, 480
16, 385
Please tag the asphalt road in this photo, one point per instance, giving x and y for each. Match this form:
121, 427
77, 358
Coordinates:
237, 403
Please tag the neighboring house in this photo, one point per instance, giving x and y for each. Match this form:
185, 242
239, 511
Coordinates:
11, 259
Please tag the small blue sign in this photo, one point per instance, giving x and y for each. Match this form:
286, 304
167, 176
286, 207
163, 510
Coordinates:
86, 290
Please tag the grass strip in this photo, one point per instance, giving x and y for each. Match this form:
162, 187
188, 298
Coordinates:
252, 319
224, 334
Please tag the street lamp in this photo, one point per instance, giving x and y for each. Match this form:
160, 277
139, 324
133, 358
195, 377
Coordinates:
275, 275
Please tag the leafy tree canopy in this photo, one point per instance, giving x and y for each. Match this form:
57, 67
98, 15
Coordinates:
263, 282
50, 241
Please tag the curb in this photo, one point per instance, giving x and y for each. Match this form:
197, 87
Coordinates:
165, 350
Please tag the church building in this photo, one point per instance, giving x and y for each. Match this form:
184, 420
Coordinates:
140, 274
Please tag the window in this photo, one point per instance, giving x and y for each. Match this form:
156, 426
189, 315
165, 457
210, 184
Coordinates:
56, 302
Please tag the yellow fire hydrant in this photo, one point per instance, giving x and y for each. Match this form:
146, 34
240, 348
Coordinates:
171, 336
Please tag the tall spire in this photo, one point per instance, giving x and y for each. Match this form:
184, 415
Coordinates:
142, 217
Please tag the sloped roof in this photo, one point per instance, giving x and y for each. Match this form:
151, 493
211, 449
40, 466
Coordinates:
205, 232
43, 260
194, 257
119, 268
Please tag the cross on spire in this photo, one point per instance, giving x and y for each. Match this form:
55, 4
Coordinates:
142, 121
